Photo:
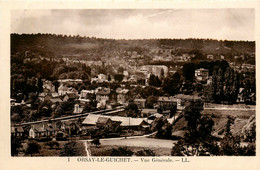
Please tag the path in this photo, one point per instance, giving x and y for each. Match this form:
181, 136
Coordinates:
86, 148
120, 138
224, 108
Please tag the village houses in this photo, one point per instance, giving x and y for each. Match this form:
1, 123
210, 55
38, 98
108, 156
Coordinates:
123, 96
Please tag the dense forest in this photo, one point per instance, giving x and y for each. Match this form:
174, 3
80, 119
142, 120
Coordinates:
63, 45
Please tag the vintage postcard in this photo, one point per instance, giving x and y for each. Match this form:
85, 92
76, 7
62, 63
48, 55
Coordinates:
149, 85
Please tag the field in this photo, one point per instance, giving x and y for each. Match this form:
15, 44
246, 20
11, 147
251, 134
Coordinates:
105, 150
241, 117
46, 150
160, 147
220, 113
234, 106
82, 46
243, 114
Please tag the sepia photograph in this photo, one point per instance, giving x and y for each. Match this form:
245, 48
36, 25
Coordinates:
132, 82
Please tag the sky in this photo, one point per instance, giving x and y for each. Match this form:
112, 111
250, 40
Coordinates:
229, 24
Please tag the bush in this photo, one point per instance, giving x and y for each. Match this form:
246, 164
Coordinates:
33, 147
73, 149
15, 145
177, 150
44, 139
96, 142
145, 152
51, 144
121, 151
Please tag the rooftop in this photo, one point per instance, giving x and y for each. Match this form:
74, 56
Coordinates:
103, 120
188, 97
103, 91
72, 95
139, 100
55, 100
91, 119
17, 129
122, 91
167, 99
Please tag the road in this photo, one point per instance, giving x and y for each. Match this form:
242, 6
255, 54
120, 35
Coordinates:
141, 142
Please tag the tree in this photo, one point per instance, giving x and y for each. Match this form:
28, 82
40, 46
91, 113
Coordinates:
177, 149
56, 85
247, 90
192, 115
121, 151
249, 150
198, 139
16, 144
163, 128
151, 100
149, 91
73, 149
162, 72
224, 83
160, 109
67, 106
172, 85
230, 121
96, 142
132, 110
188, 70
173, 110
109, 78
141, 81
15, 117
120, 70
44, 109
251, 133
92, 106
154, 81
33, 147
87, 70
217, 85
199, 88
198, 54
230, 86
58, 112
205, 127
188, 87
119, 77
229, 146
39, 84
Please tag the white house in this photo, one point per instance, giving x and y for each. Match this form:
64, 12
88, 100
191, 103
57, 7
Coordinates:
77, 109
122, 95
100, 78
102, 94
48, 86
202, 74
